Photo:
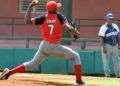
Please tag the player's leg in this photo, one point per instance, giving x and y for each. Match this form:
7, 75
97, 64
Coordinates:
68, 53
116, 61
38, 58
105, 58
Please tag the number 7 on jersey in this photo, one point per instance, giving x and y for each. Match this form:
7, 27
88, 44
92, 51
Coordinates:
51, 28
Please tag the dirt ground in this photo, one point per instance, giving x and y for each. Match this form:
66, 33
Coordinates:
51, 80
38, 80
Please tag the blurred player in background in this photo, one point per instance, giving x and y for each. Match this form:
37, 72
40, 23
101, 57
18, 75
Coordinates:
109, 37
50, 26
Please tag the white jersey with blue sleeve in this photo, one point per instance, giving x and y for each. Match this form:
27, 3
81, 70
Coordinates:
109, 33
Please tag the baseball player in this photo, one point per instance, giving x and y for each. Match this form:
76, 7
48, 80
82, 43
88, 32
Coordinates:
109, 35
50, 26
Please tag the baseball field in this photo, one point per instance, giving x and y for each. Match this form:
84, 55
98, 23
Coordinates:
31, 79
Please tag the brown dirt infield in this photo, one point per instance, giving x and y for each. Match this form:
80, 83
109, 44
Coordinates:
50, 80
38, 80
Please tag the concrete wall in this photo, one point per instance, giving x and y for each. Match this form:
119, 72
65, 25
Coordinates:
9, 8
92, 9
90, 13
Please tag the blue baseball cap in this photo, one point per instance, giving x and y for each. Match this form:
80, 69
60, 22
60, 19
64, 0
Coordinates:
109, 16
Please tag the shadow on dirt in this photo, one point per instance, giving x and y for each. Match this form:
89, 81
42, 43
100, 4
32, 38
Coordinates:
63, 84
51, 83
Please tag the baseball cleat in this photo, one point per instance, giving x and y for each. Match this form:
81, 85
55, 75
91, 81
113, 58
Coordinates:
5, 74
79, 83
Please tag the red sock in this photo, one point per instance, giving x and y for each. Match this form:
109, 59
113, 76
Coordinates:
18, 69
78, 72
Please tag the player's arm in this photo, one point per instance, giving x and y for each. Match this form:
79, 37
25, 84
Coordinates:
102, 41
103, 44
101, 34
118, 39
118, 35
71, 29
28, 18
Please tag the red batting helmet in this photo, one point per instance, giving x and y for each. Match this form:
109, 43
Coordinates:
52, 5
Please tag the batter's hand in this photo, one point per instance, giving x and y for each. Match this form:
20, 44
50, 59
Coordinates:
34, 2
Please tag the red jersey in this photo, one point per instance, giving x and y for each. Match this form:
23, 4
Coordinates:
51, 29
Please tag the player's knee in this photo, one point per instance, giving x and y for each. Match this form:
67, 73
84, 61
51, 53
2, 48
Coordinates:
30, 65
76, 59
